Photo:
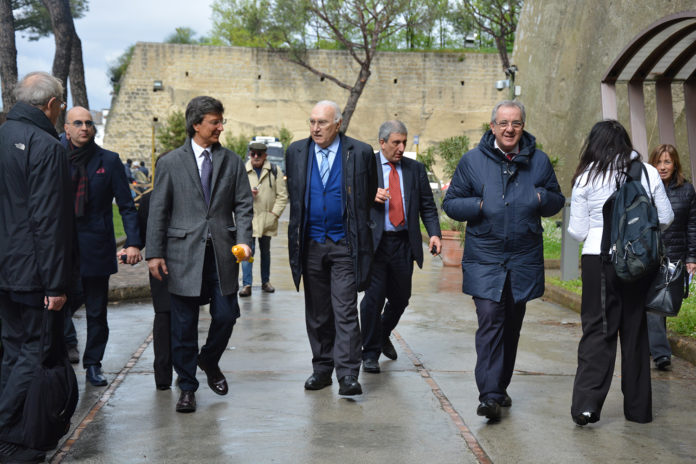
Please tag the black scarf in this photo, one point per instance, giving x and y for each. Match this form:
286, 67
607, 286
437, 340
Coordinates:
79, 157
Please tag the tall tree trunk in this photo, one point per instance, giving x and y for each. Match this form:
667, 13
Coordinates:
78, 89
354, 96
8, 55
63, 32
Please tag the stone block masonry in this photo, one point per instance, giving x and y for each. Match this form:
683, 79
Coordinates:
437, 95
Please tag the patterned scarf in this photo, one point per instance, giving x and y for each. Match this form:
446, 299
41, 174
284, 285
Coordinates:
79, 157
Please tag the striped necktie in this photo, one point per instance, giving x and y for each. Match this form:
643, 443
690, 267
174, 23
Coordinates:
324, 167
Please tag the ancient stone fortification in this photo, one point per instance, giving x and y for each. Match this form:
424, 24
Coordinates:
437, 95
562, 50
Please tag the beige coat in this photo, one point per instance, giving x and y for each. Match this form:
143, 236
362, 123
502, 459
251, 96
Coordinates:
270, 201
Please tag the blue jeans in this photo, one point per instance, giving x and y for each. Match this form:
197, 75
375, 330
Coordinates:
265, 245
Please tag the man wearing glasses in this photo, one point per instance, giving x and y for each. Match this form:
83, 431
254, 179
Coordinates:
501, 189
270, 198
332, 183
35, 244
97, 178
200, 207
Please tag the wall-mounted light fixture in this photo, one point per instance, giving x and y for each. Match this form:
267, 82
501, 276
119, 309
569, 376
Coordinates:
157, 85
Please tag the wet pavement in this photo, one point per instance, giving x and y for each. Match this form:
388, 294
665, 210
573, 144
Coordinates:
421, 408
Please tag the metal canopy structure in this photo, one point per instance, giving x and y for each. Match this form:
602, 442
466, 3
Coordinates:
663, 54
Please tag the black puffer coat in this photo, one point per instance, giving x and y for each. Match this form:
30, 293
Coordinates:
680, 236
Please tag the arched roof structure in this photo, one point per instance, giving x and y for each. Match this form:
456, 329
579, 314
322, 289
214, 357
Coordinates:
662, 54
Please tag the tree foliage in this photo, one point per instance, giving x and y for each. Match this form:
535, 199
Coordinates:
185, 35
172, 134
32, 17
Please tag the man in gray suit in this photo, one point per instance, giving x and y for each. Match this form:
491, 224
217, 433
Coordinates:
200, 207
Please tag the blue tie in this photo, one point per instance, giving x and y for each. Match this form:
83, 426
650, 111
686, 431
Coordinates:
324, 167
206, 175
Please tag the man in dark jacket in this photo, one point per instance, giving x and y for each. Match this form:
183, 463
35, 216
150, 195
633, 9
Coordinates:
35, 240
502, 188
331, 184
403, 196
98, 178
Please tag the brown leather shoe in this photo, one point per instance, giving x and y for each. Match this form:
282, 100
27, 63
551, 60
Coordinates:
187, 402
245, 291
267, 287
216, 379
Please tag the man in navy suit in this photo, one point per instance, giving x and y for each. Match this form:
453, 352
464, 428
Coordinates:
403, 196
98, 177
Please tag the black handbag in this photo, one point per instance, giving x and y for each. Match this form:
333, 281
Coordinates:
668, 289
52, 395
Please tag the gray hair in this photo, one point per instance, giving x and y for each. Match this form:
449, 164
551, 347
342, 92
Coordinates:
391, 127
37, 88
196, 110
514, 103
337, 110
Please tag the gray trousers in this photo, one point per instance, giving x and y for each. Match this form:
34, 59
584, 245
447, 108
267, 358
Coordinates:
657, 335
331, 308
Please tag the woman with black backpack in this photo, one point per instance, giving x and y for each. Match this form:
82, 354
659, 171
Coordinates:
610, 307
679, 239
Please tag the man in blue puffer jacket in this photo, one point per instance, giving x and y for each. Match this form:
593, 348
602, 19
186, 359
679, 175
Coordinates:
501, 189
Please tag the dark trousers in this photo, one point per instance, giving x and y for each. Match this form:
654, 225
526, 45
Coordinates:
331, 308
21, 335
392, 269
96, 293
76, 298
247, 267
224, 312
161, 331
625, 318
497, 336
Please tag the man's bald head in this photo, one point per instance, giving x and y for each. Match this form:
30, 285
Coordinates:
79, 127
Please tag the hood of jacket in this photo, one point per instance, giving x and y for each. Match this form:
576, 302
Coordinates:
23, 112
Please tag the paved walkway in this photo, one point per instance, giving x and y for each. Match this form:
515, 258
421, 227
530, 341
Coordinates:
421, 408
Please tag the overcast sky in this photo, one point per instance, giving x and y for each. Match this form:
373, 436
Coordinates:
107, 29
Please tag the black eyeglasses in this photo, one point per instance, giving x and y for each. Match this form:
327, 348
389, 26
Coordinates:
79, 123
256, 154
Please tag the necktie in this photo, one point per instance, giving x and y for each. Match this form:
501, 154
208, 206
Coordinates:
510, 156
206, 175
324, 167
396, 205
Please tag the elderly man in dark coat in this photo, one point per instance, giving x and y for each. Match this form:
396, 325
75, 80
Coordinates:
332, 183
501, 189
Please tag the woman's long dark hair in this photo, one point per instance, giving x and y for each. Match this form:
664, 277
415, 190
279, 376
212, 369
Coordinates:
607, 147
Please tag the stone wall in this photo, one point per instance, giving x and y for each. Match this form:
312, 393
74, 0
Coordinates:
437, 95
562, 50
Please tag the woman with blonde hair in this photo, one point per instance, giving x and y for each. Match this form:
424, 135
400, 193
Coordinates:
679, 239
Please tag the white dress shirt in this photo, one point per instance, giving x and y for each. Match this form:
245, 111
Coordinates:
198, 153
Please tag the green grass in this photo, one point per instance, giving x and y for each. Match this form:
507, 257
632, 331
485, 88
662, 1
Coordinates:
574, 286
552, 239
118, 224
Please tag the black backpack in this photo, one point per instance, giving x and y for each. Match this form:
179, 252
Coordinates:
631, 236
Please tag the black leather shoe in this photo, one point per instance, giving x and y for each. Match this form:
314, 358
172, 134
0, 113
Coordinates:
388, 350
489, 408
587, 417
12, 453
507, 401
663, 363
371, 366
163, 387
95, 376
317, 381
187, 402
216, 380
349, 386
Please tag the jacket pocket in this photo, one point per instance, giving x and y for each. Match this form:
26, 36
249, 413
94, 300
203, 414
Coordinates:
479, 229
176, 233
